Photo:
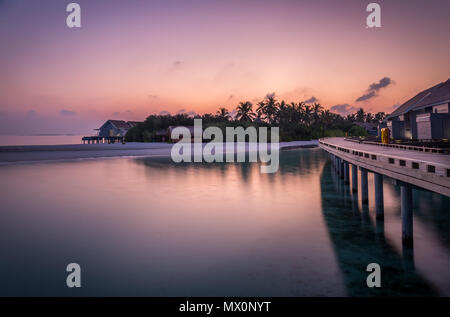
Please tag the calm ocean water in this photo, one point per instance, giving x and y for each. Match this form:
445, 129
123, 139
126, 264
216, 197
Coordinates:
151, 227
39, 139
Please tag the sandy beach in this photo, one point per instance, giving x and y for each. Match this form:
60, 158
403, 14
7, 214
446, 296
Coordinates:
41, 153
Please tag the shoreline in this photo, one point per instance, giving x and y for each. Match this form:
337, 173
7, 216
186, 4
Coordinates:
48, 153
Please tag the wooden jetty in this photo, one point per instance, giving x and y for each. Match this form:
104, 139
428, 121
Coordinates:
101, 139
409, 168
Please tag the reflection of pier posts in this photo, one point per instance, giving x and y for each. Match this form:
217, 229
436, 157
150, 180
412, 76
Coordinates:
379, 226
346, 173
341, 168
407, 214
355, 207
408, 258
379, 201
354, 178
338, 165
364, 186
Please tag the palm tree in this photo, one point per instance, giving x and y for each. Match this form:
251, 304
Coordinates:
223, 114
245, 112
360, 115
261, 108
327, 118
380, 116
296, 112
283, 115
316, 109
351, 117
271, 109
307, 113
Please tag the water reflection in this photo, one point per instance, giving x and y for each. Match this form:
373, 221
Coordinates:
150, 227
357, 241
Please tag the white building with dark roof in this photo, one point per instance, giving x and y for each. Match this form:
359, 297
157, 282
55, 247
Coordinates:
115, 128
426, 116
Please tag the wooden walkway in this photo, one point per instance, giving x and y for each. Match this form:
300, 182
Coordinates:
427, 170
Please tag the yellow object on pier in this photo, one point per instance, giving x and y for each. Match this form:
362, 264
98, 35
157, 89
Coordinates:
385, 133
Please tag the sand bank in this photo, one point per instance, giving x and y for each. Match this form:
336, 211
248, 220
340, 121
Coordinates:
38, 153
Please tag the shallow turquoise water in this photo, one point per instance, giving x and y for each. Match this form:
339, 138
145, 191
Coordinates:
150, 227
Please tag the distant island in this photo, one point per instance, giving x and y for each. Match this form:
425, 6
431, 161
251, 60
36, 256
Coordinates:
297, 121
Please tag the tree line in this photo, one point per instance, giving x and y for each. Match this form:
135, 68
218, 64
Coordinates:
297, 121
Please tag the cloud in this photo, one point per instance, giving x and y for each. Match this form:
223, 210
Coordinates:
68, 113
343, 109
175, 66
226, 72
392, 108
395, 106
31, 113
191, 113
374, 88
181, 111
367, 96
115, 114
270, 95
312, 100
164, 113
384, 82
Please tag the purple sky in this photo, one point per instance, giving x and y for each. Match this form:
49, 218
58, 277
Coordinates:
133, 58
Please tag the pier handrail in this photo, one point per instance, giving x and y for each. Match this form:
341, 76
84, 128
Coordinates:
430, 171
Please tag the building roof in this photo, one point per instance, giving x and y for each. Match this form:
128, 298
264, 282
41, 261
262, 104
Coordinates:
432, 96
121, 124
133, 123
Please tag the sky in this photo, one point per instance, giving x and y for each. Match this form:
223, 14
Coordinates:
133, 58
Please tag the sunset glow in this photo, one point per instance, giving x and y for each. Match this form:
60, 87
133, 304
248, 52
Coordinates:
134, 58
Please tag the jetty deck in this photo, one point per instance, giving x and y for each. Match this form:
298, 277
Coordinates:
399, 153
409, 168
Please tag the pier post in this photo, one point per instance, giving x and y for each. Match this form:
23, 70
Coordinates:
346, 173
407, 214
379, 201
364, 186
354, 178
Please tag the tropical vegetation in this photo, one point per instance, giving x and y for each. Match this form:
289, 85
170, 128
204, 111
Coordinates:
296, 121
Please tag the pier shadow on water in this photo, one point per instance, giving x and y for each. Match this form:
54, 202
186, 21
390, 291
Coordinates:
151, 227
358, 240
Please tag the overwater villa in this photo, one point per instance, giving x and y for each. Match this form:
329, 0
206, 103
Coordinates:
426, 116
111, 131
